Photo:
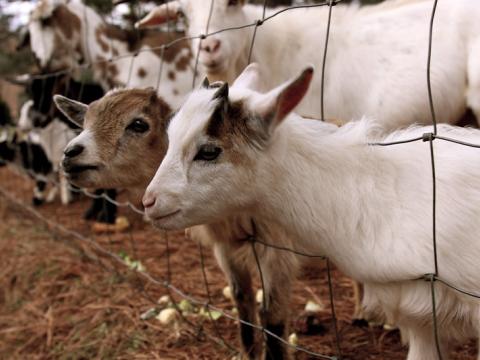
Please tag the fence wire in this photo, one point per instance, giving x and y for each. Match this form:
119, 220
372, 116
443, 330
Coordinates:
255, 238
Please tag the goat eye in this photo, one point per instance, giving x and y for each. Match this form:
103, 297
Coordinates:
138, 126
208, 153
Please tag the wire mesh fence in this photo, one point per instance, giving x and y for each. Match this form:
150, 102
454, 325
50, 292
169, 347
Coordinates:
255, 239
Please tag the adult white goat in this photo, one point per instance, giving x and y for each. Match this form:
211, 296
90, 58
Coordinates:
376, 63
127, 125
368, 208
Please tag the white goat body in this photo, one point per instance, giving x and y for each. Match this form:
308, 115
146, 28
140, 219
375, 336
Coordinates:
372, 210
376, 61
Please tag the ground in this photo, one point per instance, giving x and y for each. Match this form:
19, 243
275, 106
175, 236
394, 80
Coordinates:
62, 298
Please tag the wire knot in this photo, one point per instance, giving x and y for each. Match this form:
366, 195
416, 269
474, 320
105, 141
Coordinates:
259, 23
430, 277
202, 36
428, 137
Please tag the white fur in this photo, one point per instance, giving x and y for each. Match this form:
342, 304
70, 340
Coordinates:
43, 41
53, 139
368, 208
377, 55
86, 139
24, 121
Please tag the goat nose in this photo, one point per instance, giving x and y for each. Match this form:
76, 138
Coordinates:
211, 45
73, 151
148, 201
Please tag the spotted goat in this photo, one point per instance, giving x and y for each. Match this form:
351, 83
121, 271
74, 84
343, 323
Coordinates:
65, 34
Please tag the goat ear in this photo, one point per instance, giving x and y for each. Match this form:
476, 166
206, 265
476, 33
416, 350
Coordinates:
205, 83
249, 78
160, 15
222, 92
74, 111
274, 106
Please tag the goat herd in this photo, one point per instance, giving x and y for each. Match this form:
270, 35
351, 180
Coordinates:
242, 155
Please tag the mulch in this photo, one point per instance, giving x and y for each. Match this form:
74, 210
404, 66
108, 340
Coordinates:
62, 299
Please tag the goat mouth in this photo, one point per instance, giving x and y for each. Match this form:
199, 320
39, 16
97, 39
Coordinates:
71, 170
213, 66
166, 216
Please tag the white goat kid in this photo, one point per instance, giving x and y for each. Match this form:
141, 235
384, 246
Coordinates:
376, 61
368, 208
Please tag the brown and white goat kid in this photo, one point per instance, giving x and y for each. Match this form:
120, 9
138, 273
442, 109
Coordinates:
122, 144
376, 63
368, 208
64, 34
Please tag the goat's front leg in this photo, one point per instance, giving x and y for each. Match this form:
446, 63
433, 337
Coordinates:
278, 272
359, 318
39, 192
421, 343
65, 193
240, 281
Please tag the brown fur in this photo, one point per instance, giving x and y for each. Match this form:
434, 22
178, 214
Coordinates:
67, 28
66, 21
108, 70
99, 31
184, 61
232, 126
142, 72
116, 33
108, 119
136, 40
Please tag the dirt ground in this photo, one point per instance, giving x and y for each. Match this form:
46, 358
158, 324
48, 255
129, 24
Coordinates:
60, 298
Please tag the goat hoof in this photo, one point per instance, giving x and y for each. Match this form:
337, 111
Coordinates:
105, 218
309, 323
37, 202
361, 323
90, 214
